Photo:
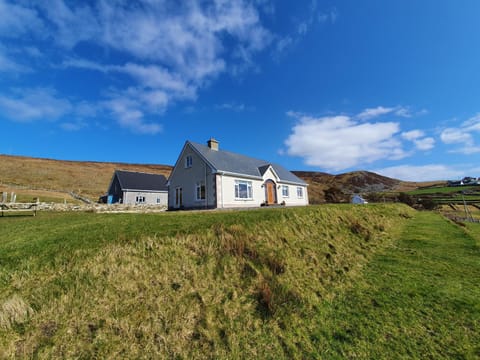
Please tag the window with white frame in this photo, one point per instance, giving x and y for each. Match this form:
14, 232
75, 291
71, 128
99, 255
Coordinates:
300, 192
243, 189
140, 199
285, 191
188, 161
158, 200
200, 191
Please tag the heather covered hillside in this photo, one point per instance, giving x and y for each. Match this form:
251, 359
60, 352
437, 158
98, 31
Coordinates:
353, 182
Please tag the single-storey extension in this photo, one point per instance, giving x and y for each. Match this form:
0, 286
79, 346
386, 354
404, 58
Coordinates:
128, 187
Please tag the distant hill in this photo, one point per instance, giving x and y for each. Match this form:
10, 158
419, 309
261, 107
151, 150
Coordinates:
352, 182
55, 179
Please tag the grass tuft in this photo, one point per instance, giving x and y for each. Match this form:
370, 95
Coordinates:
14, 311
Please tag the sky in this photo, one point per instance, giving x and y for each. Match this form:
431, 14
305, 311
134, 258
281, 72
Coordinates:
333, 86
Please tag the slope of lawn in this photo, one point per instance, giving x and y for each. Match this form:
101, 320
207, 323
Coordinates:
418, 298
379, 281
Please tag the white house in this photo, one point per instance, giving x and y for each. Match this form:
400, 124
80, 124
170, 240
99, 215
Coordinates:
207, 177
128, 187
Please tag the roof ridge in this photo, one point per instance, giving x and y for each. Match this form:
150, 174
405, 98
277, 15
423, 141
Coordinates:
138, 172
229, 152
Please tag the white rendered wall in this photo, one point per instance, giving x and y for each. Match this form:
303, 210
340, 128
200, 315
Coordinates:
129, 197
226, 193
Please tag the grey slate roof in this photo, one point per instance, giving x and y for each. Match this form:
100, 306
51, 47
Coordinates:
130, 180
226, 161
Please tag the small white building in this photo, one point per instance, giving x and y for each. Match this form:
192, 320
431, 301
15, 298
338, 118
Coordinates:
134, 188
357, 199
205, 177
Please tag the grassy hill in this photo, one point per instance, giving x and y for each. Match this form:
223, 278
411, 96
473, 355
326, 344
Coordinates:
52, 180
336, 281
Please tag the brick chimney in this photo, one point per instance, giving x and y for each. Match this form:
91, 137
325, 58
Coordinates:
213, 144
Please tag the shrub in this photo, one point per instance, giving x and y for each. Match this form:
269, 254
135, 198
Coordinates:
428, 204
406, 199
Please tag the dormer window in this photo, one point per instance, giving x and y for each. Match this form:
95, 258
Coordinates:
188, 161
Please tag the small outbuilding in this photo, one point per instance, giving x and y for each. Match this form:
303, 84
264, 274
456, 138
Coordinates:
357, 199
128, 187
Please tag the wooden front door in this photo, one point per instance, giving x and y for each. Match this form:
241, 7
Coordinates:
271, 192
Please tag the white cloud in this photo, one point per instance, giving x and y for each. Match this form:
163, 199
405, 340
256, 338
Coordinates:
284, 43
403, 112
45, 104
147, 76
455, 136
413, 135
156, 77
303, 26
424, 144
340, 142
71, 25
329, 16
418, 138
431, 172
171, 49
472, 124
463, 136
34, 104
127, 110
190, 39
374, 112
232, 107
18, 19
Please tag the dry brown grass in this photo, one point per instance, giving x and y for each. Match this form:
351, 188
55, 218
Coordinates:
458, 211
26, 195
90, 179
13, 311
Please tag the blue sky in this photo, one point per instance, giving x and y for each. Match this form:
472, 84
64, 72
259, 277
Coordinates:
333, 86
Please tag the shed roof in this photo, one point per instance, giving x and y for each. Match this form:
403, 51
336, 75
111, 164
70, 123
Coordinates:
226, 161
130, 180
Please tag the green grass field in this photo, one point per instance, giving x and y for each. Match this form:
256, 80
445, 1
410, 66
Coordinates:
336, 281
444, 190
